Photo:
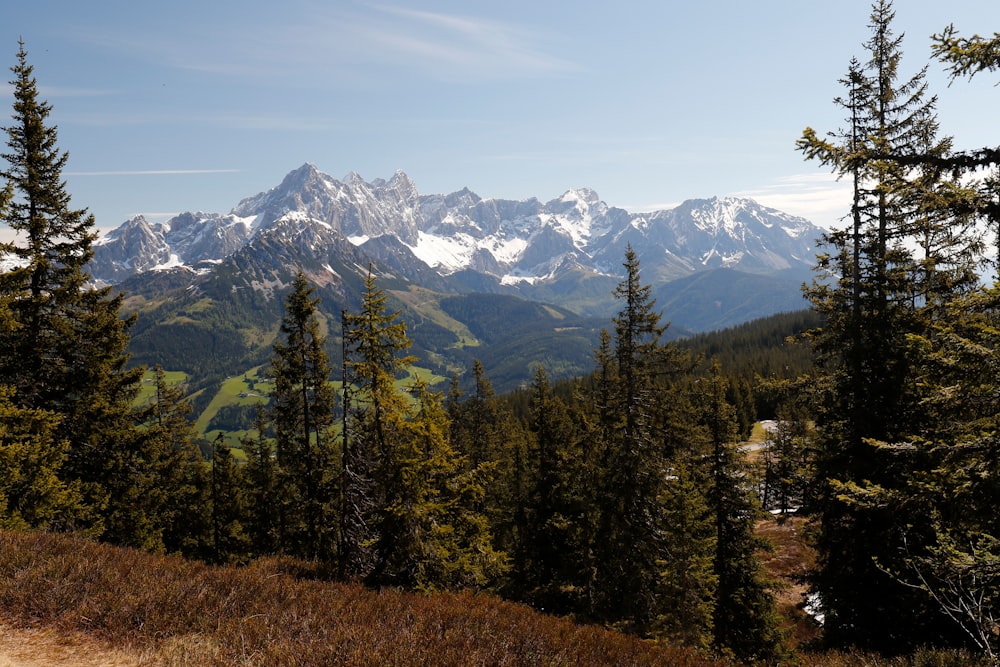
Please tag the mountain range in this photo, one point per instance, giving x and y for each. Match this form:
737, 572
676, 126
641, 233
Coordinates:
214, 280
509, 243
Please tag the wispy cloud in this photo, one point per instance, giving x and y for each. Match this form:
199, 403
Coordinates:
452, 45
820, 198
318, 41
229, 119
153, 172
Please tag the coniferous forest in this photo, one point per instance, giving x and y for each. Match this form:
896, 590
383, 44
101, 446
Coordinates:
622, 498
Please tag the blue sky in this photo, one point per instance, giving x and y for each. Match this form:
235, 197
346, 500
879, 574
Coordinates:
175, 106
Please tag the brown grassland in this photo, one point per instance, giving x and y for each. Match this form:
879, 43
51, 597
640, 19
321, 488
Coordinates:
177, 612
68, 601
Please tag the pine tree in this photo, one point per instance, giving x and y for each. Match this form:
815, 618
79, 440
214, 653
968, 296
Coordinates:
787, 460
31, 493
484, 432
967, 56
970, 56
557, 548
178, 476
952, 473
375, 346
157, 501
875, 292
302, 417
744, 617
433, 533
631, 540
65, 350
422, 521
260, 477
687, 578
230, 541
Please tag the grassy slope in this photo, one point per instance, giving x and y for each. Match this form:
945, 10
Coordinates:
191, 613
253, 388
171, 611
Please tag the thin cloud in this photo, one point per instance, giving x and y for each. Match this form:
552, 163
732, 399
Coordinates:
316, 43
819, 198
153, 172
451, 44
224, 118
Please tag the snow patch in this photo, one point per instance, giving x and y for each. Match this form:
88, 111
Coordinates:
171, 263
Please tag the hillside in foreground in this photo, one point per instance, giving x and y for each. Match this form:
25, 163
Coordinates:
69, 601
172, 611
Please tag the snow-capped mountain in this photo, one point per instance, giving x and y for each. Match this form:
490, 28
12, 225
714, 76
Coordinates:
184, 240
509, 241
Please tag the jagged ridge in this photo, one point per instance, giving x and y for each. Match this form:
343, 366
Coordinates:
508, 241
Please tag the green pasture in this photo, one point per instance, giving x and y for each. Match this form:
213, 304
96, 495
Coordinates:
147, 390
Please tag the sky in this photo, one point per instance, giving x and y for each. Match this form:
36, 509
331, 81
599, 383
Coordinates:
167, 107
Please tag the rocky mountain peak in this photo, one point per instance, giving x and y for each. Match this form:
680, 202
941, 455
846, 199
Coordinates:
462, 232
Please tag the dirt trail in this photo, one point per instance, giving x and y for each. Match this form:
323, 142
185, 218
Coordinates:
45, 648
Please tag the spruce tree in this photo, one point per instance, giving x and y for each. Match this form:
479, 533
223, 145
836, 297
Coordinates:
375, 351
31, 493
558, 544
787, 460
744, 617
65, 350
631, 538
422, 522
433, 532
687, 578
229, 512
952, 475
178, 492
485, 433
875, 292
260, 478
301, 413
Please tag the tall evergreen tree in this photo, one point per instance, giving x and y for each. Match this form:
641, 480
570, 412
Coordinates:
433, 532
65, 350
178, 490
302, 417
875, 291
744, 617
632, 540
687, 578
486, 434
952, 480
31, 493
787, 460
558, 544
229, 512
260, 477
375, 351
423, 521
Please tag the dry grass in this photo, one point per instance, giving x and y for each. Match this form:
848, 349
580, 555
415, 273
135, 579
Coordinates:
68, 601
789, 562
176, 612
20, 647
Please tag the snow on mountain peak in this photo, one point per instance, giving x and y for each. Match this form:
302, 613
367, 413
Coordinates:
461, 231
582, 195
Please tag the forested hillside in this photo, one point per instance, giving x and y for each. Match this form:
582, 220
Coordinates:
622, 496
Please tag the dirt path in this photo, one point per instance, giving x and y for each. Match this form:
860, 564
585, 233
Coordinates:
45, 648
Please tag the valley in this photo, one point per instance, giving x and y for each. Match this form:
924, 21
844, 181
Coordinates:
514, 284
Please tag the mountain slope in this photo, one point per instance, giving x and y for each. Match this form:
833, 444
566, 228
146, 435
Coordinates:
469, 275
519, 243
